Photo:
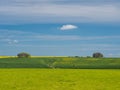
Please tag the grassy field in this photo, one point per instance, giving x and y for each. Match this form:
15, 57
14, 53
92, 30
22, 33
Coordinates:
59, 79
60, 62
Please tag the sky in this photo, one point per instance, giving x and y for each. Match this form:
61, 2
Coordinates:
60, 27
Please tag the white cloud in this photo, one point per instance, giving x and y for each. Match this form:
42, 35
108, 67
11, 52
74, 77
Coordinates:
26, 11
15, 41
68, 27
9, 41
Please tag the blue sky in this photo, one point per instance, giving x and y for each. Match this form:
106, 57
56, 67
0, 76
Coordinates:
60, 27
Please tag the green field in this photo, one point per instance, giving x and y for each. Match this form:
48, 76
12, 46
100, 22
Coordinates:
59, 79
61, 62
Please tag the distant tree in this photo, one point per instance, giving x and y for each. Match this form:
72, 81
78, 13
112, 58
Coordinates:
23, 55
88, 57
97, 55
77, 56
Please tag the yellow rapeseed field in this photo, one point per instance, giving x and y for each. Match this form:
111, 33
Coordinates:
5, 56
59, 79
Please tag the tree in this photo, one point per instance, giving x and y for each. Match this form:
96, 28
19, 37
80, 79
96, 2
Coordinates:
23, 55
88, 56
76, 56
97, 55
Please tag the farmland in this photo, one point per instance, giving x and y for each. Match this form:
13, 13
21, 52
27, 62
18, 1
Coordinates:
60, 62
59, 73
59, 79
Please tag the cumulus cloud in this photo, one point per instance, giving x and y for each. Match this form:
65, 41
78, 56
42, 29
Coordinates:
68, 27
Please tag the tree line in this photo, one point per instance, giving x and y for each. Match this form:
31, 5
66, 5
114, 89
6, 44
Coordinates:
27, 55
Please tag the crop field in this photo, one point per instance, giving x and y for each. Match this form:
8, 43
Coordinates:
59, 79
6, 56
59, 73
60, 62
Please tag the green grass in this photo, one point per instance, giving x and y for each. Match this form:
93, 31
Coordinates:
59, 79
61, 62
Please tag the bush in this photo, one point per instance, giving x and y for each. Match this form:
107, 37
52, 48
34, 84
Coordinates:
23, 55
97, 55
